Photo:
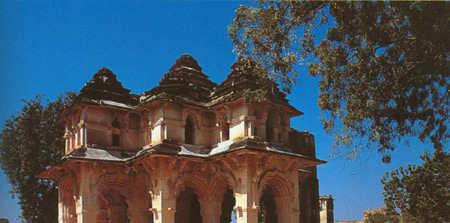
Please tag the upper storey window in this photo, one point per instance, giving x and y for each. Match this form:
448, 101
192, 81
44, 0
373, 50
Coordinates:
116, 133
189, 130
227, 131
269, 128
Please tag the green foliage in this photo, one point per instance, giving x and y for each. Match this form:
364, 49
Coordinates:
384, 66
256, 95
421, 193
382, 218
31, 141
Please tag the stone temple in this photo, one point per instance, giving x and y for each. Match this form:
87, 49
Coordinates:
186, 151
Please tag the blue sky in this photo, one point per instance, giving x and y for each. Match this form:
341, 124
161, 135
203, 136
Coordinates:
51, 47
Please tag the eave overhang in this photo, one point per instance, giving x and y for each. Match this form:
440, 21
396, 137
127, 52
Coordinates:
171, 150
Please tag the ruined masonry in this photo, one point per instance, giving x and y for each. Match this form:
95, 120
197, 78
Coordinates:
186, 151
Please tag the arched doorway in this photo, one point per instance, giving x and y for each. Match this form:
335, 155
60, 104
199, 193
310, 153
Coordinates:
228, 203
113, 208
67, 200
188, 207
268, 209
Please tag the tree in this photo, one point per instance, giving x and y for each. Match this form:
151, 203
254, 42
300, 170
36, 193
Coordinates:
381, 218
384, 66
421, 193
29, 142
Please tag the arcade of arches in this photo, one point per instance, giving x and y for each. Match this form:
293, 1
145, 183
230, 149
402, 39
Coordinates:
186, 151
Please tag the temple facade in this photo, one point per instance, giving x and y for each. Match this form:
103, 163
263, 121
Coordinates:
186, 151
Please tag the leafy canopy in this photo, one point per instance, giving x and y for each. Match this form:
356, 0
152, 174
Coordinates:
381, 218
421, 193
384, 66
29, 142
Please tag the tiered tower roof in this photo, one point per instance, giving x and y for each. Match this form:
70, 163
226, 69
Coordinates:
185, 82
242, 79
105, 87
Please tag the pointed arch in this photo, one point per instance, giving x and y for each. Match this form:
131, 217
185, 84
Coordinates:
281, 185
119, 194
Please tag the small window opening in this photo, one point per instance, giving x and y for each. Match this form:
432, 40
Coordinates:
115, 124
189, 131
269, 129
255, 131
227, 131
116, 133
279, 137
115, 139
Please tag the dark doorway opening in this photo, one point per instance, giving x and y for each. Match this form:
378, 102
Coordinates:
228, 204
268, 209
188, 207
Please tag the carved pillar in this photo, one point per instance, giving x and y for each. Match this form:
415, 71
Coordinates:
163, 199
163, 205
60, 206
285, 211
138, 210
77, 133
288, 204
67, 141
70, 142
250, 130
87, 207
246, 207
82, 132
210, 210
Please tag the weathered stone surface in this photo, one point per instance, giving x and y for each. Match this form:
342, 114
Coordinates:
184, 83
105, 86
185, 143
326, 209
241, 80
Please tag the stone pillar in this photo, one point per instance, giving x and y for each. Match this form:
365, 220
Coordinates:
286, 210
77, 133
247, 199
288, 204
250, 128
163, 206
138, 211
210, 210
67, 141
238, 127
163, 199
87, 206
70, 143
82, 132
60, 206
159, 132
